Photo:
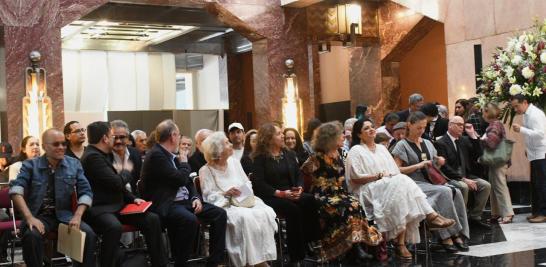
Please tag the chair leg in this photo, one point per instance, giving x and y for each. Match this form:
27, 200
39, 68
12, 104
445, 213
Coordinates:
281, 243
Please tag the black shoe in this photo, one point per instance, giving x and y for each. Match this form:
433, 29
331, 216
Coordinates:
480, 224
461, 246
450, 248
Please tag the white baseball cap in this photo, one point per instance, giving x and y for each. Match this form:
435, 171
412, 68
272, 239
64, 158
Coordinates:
235, 125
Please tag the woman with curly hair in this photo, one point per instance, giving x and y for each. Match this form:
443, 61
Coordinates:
276, 180
342, 220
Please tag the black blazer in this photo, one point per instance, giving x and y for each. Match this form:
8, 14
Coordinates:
161, 180
458, 162
136, 159
109, 192
266, 176
196, 161
440, 128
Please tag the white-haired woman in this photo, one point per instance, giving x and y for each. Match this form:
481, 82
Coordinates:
250, 236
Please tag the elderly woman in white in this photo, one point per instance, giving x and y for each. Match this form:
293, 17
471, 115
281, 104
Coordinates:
250, 236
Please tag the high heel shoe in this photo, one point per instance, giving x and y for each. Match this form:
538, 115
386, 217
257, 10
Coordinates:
437, 221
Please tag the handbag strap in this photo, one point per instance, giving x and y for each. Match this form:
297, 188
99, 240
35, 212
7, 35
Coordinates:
214, 179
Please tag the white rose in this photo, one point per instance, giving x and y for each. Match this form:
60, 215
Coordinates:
504, 58
515, 89
498, 87
516, 59
527, 73
509, 71
543, 57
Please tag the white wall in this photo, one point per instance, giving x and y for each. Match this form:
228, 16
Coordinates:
334, 75
210, 91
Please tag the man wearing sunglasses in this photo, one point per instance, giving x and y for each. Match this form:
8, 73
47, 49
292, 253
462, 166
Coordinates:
127, 160
75, 138
111, 195
42, 193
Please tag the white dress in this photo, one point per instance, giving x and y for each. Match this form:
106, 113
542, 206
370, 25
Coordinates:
395, 202
250, 233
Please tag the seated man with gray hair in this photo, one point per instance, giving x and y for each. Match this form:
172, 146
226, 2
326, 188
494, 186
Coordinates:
415, 103
140, 138
167, 183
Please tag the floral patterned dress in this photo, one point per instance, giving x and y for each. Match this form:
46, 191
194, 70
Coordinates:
342, 219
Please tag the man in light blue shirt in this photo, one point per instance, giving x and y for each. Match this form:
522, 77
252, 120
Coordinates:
534, 133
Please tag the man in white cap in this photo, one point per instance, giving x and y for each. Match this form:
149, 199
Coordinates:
236, 135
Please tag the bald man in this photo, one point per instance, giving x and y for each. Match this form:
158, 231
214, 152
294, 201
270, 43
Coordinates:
458, 150
197, 160
49, 182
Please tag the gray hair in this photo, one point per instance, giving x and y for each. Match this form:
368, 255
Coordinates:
119, 124
164, 130
414, 98
442, 110
137, 133
392, 117
349, 123
213, 146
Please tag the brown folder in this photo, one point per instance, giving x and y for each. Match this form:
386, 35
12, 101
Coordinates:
71, 243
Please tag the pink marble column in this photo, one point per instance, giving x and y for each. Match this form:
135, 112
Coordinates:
36, 25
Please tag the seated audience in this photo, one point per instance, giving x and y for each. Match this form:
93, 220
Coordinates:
398, 133
250, 146
166, 182
292, 140
197, 159
127, 159
457, 150
415, 103
312, 124
236, 134
389, 122
501, 204
250, 235
75, 138
343, 224
413, 155
374, 177
186, 144
140, 138
42, 193
110, 196
436, 125
30, 148
276, 180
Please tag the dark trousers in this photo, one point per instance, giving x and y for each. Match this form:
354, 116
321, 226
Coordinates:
302, 224
109, 226
538, 187
33, 243
182, 225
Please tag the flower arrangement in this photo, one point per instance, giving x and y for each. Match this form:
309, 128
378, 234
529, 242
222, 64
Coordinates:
520, 68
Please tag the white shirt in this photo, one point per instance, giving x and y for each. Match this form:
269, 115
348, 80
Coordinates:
238, 154
384, 130
453, 139
534, 132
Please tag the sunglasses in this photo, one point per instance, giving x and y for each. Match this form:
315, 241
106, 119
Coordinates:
119, 137
57, 144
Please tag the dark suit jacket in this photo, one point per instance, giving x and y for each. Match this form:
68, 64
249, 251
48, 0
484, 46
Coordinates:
136, 159
440, 128
403, 115
162, 180
458, 163
196, 161
109, 192
266, 177
70, 153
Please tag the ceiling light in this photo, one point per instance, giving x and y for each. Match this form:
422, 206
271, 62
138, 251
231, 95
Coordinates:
214, 35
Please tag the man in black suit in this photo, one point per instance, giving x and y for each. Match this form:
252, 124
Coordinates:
167, 184
457, 150
127, 159
110, 196
415, 103
197, 160
436, 125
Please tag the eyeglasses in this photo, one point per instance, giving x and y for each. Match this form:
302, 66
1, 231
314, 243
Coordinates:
458, 124
57, 144
81, 130
119, 137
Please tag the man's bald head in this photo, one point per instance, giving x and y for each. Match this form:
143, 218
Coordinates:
54, 145
200, 136
49, 135
456, 126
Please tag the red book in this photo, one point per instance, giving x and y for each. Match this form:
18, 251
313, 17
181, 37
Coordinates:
134, 208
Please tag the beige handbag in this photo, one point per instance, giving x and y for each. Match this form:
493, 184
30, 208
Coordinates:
248, 202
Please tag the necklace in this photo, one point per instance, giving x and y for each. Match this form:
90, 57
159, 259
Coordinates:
371, 148
277, 158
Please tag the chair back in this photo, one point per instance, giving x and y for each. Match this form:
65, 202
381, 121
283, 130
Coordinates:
5, 200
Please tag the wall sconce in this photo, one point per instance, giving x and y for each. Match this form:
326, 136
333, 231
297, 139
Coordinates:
292, 114
36, 104
349, 22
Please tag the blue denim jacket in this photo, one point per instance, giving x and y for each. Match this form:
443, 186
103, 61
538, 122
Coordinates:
32, 181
